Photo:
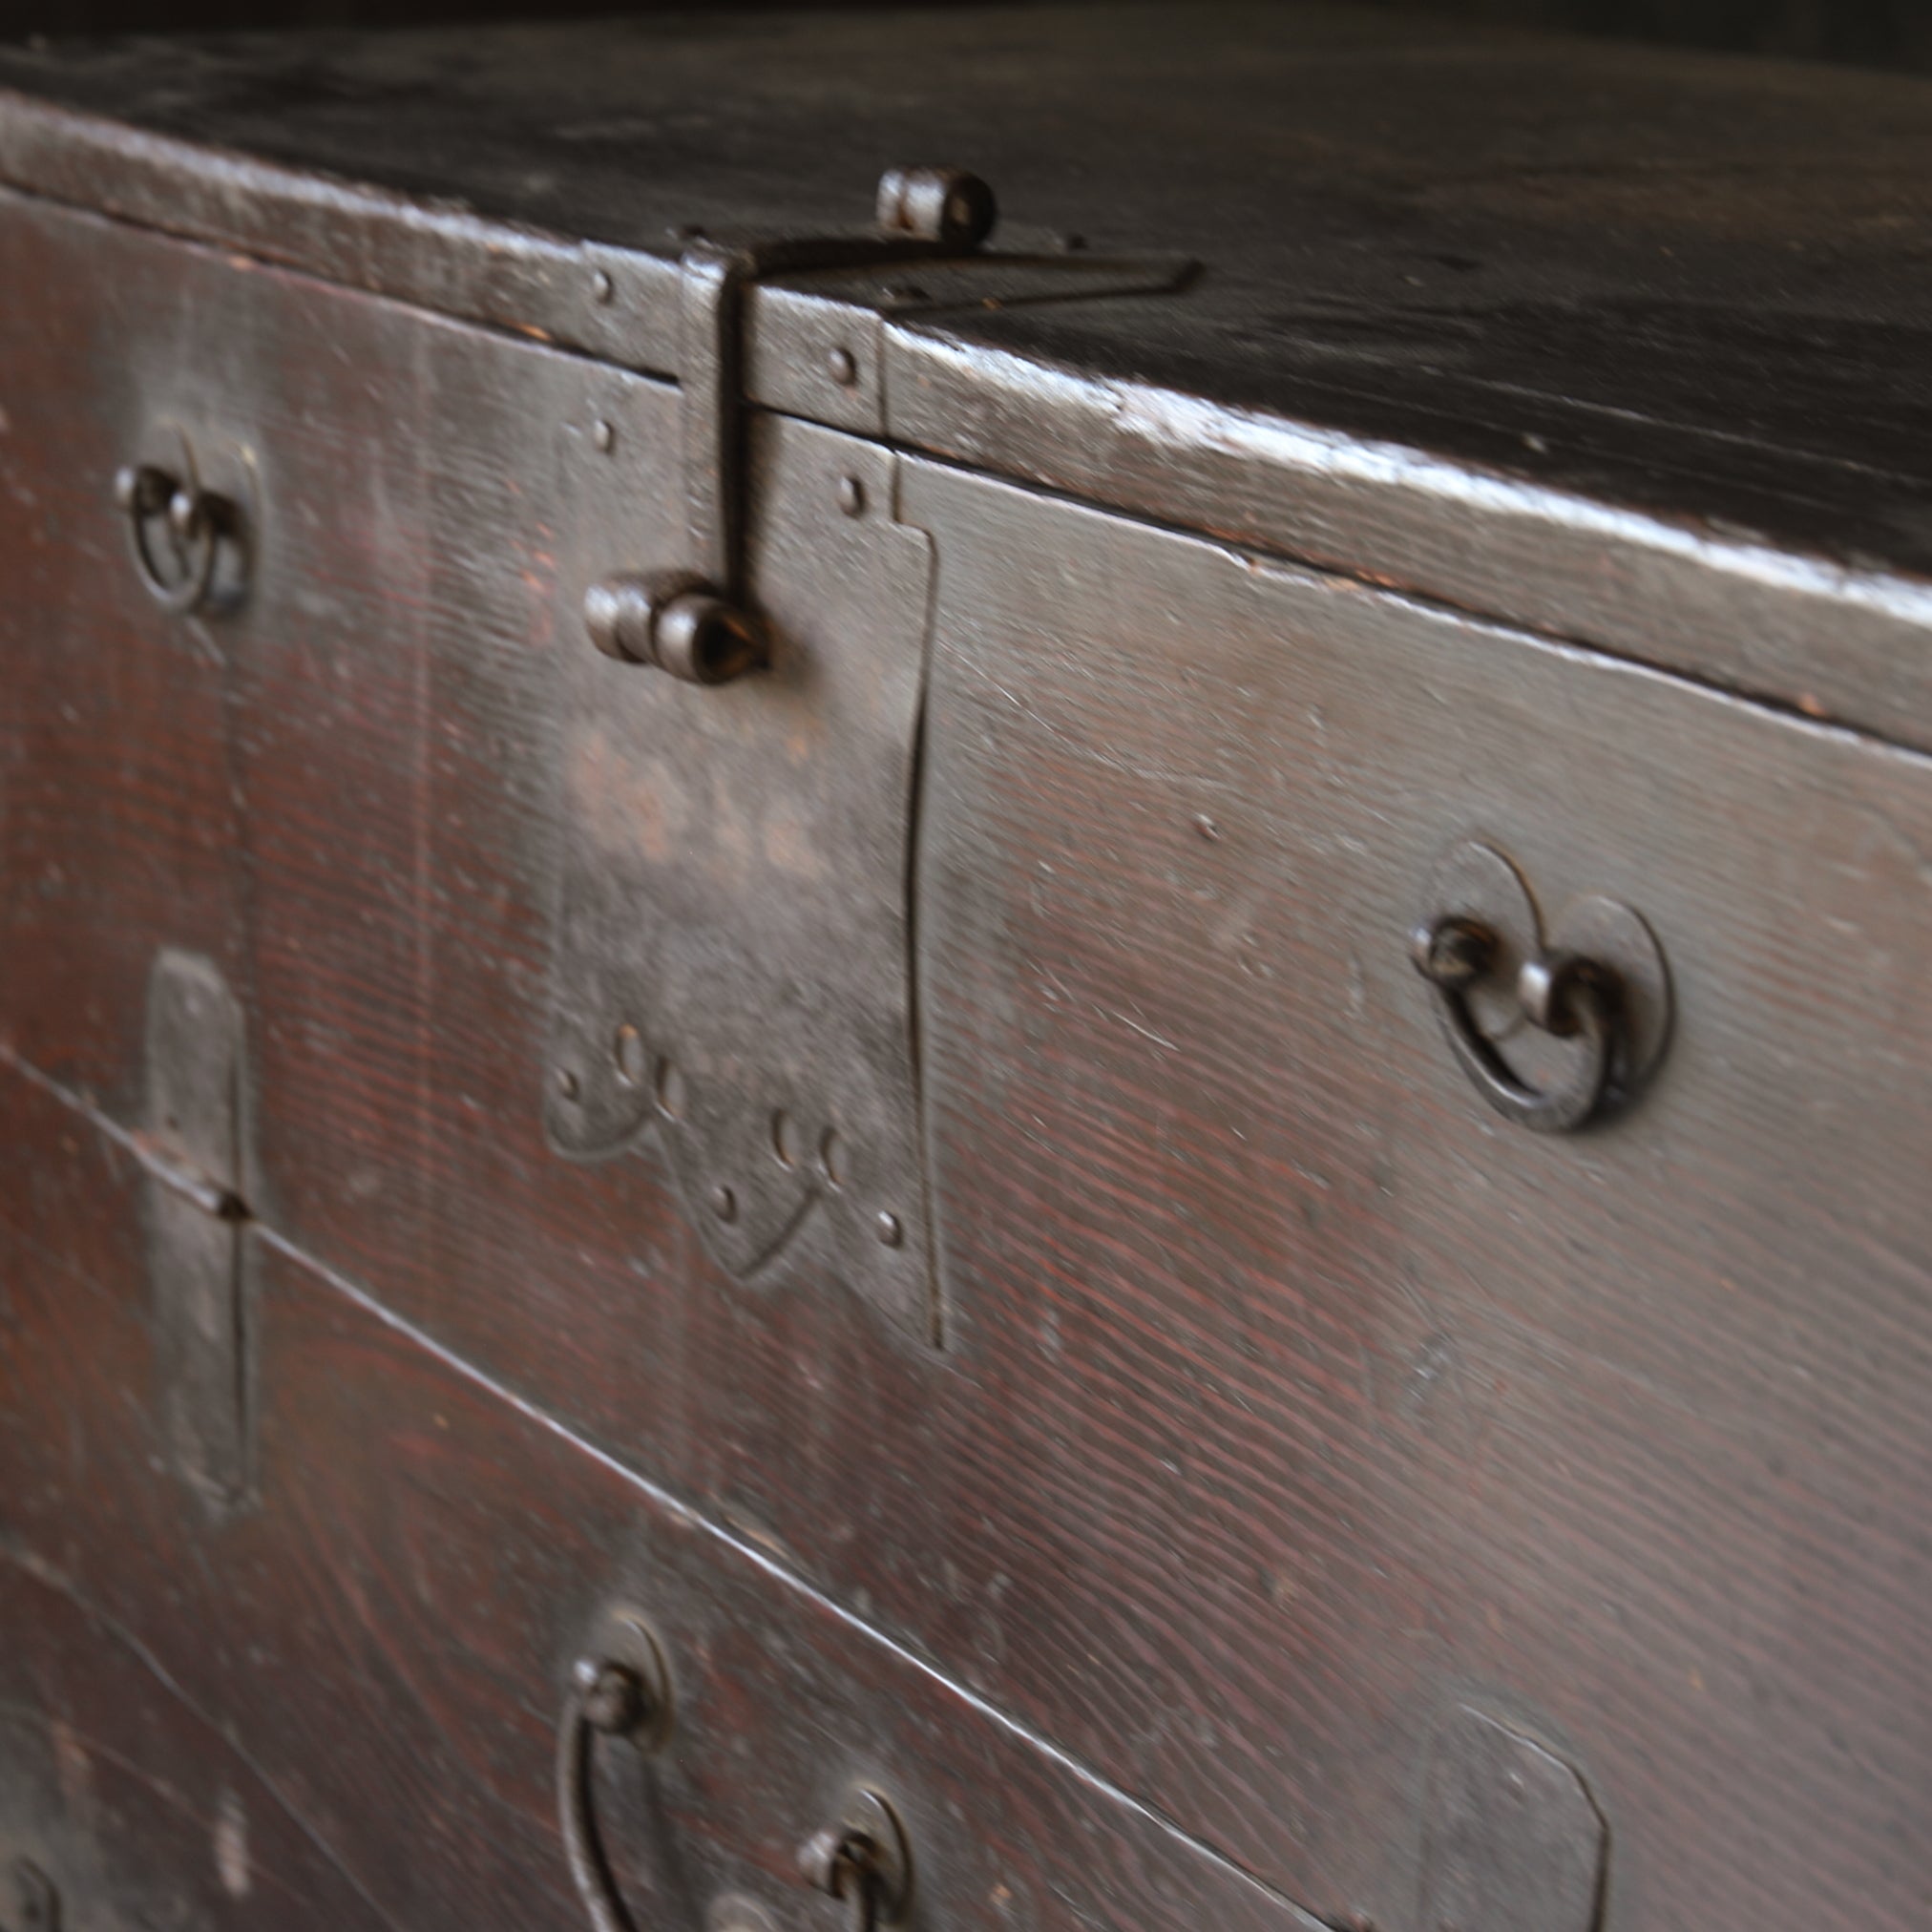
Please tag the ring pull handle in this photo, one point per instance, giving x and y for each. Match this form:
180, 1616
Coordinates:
864, 1857
175, 532
621, 1691
1565, 995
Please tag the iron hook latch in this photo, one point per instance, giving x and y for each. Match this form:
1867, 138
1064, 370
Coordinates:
696, 621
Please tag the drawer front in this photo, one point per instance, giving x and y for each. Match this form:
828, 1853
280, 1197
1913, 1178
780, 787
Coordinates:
123, 1801
344, 1698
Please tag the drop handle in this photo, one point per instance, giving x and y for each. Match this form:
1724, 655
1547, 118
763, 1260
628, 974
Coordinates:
176, 529
619, 1691
1562, 995
863, 1858
1592, 976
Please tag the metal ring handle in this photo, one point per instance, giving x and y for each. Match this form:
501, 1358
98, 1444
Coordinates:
848, 1864
608, 1698
864, 1858
1571, 997
147, 495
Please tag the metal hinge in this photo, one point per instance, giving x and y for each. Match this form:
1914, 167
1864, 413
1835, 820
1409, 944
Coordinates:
732, 968
200, 1242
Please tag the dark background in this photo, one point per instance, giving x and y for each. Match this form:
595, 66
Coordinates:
1875, 33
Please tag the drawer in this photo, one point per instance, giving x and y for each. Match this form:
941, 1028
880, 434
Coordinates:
124, 1802
340, 1696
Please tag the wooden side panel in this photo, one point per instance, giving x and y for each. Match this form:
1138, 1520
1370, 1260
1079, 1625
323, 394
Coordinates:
375, 1655
121, 825
1394, 1403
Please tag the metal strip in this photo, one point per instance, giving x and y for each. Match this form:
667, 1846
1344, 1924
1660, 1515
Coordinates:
199, 1245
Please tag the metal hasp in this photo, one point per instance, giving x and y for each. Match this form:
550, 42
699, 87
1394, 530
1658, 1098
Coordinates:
200, 1246
1513, 1841
732, 958
696, 621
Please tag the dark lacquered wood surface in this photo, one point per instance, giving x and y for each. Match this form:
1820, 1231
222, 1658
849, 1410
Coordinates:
338, 1704
1622, 344
1684, 276
1288, 1399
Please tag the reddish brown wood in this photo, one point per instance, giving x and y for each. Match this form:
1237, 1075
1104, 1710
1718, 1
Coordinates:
383, 1639
134, 1801
1292, 1400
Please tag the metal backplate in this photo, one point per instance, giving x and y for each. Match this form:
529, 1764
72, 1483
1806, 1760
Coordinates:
732, 959
197, 1238
1513, 1841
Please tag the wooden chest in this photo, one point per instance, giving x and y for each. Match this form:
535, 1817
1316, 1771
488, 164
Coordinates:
857, 1074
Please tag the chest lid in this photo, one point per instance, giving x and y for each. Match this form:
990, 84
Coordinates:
1623, 346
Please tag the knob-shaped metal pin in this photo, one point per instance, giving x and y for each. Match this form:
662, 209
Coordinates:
946, 206
615, 1700
674, 622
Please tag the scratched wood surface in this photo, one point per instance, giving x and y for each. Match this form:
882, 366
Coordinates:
1623, 344
1680, 282
1629, 1426
339, 1704
1291, 1399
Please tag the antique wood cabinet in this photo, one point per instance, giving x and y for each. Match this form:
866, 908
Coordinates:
862, 1070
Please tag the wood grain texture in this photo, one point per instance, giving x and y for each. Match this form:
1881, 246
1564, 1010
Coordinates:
141, 1806
1291, 1401
1597, 338
1632, 1424
383, 1642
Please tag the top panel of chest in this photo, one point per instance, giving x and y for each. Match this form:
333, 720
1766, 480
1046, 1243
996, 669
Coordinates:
1694, 286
